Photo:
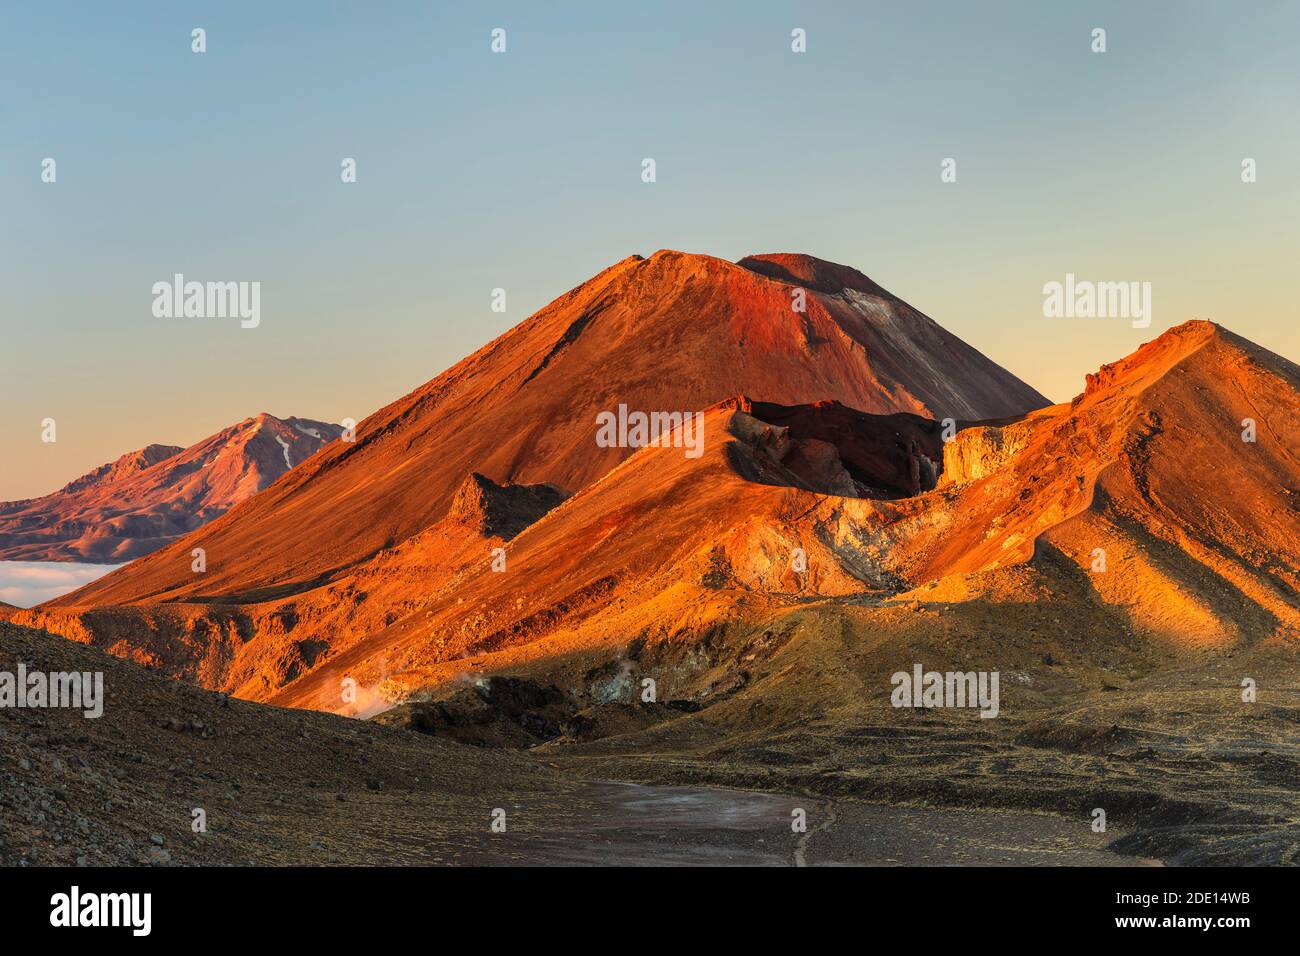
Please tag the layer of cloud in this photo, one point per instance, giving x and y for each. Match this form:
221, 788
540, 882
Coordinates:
28, 583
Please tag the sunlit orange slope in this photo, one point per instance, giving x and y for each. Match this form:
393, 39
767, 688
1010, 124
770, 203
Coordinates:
673, 332
1197, 532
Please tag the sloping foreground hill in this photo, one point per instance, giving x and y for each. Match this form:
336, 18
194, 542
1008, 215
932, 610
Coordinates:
277, 786
150, 497
280, 787
671, 333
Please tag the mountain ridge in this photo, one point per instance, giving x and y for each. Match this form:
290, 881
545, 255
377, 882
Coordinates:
140, 501
676, 550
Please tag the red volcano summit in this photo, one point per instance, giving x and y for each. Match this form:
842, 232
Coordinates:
674, 332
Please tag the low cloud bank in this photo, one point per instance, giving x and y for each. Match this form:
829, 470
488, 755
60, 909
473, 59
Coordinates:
28, 583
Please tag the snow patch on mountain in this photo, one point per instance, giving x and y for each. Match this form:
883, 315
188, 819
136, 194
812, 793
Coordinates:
285, 446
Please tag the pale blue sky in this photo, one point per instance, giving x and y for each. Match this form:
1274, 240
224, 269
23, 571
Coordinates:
522, 171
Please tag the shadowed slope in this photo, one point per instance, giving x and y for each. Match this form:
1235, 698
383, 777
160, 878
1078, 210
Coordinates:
278, 787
